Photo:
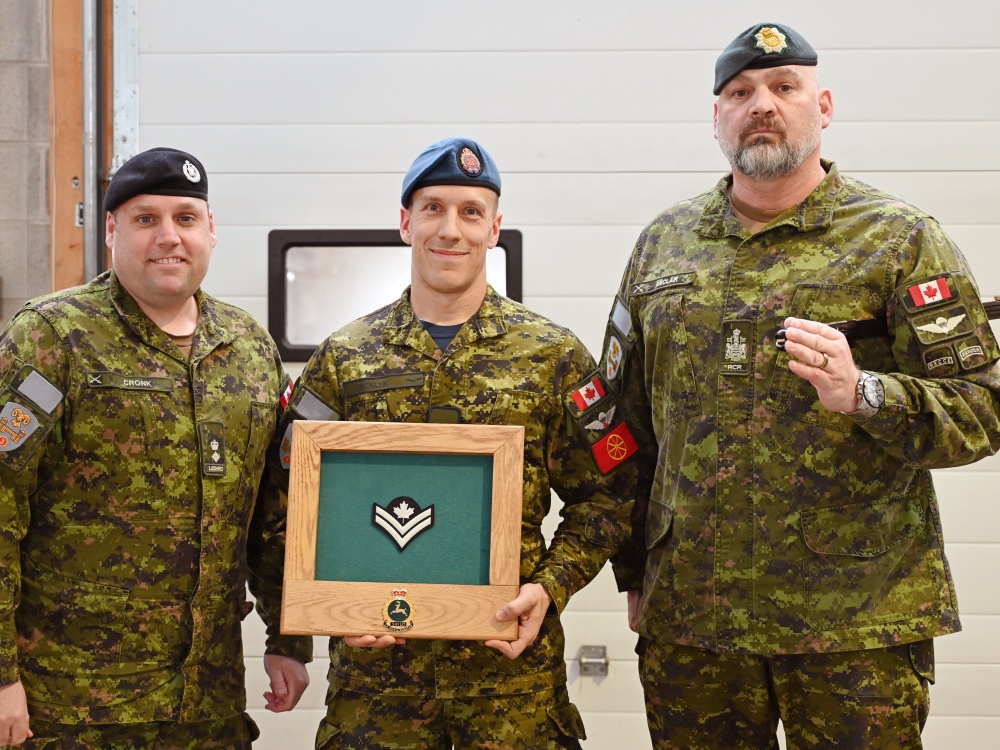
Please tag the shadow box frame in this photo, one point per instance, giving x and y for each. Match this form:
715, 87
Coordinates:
440, 610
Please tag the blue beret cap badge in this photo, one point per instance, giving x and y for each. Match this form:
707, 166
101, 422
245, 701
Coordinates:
770, 39
469, 162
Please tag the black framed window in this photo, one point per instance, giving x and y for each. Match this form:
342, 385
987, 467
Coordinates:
321, 279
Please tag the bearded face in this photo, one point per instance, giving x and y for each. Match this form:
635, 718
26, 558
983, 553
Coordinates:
769, 156
768, 121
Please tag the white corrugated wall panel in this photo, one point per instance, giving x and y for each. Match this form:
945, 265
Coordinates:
306, 114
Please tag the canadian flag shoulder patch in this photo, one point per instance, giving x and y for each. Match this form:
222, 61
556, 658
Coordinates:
583, 396
929, 292
589, 394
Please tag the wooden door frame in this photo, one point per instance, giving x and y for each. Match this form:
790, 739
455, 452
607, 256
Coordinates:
66, 132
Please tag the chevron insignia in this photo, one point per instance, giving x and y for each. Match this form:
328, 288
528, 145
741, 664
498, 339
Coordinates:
402, 519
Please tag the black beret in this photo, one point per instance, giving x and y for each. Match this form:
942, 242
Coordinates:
159, 171
453, 161
763, 45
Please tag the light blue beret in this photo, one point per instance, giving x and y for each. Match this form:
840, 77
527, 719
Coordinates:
453, 161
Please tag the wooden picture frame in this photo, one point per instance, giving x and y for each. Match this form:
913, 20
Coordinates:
311, 606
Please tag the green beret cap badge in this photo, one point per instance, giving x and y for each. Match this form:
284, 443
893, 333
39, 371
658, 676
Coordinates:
770, 40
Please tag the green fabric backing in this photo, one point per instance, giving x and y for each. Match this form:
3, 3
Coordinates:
456, 549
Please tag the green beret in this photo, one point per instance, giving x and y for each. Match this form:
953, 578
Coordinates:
763, 45
158, 171
453, 161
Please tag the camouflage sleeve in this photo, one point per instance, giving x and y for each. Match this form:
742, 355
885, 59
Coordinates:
595, 486
629, 562
33, 368
267, 532
942, 404
266, 549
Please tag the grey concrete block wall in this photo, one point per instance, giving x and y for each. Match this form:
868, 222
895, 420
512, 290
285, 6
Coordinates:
25, 258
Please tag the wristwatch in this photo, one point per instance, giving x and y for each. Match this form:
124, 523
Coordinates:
871, 396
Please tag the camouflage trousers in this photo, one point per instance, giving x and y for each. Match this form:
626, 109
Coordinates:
531, 721
852, 700
234, 733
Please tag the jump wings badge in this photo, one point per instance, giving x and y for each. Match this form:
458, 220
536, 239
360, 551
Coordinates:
942, 324
397, 614
603, 420
402, 519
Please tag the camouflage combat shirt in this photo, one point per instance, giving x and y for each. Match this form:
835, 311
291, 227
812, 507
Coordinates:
773, 525
128, 477
506, 366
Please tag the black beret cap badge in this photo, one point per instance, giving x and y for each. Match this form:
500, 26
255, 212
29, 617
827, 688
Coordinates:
469, 162
191, 172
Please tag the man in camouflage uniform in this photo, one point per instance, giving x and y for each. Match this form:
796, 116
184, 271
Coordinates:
796, 351
135, 412
451, 349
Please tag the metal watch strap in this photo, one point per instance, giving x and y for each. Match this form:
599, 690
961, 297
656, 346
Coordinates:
865, 410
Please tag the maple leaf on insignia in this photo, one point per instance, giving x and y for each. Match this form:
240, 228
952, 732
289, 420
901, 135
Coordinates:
589, 393
930, 290
404, 511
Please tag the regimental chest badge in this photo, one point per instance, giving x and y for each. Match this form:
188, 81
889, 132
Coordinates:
402, 520
397, 614
469, 162
771, 40
213, 450
736, 346
737, 353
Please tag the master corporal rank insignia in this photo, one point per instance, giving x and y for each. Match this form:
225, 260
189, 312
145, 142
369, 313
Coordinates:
402, 519
397, 614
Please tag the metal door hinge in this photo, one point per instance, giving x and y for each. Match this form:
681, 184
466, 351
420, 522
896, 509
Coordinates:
593, 661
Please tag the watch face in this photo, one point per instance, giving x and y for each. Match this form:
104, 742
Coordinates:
874, 391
